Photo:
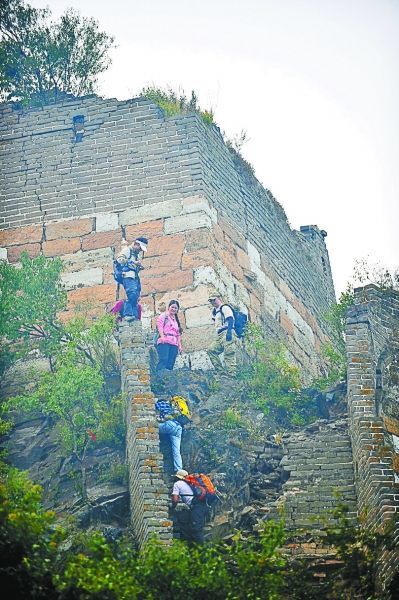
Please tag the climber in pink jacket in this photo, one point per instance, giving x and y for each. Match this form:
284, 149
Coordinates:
169, 341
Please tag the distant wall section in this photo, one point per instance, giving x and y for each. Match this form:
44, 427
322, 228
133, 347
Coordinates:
372, 340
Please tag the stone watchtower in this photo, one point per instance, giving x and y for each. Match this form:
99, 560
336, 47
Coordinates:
81, 176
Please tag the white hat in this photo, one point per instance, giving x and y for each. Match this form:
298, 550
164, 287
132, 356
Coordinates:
142, 242
181, 474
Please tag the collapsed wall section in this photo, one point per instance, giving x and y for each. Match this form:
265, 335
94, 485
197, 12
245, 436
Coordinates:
148, 493
372, 342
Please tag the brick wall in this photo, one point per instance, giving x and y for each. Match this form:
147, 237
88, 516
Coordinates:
372, 344
148, 492
137, 172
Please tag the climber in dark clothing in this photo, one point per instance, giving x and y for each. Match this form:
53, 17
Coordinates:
127, 268
198, 510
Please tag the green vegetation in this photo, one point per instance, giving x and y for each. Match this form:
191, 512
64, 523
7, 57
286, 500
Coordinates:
40, 60
74, 392
272, 382
35, 565
176, 104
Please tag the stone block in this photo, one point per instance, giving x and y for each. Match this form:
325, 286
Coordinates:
21, 235
148, 229
194, 204
198, 338
106, 222
82, 278
3, 254
14, 252
102, 257
98, 294
102, 240
183, 223
60, 247
163, 283
187, 298
198, 316
198, 239
231, 231
68, 229
166, 244
150, 212
200, 258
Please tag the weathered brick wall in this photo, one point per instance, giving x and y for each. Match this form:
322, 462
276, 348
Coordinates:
174, 179
320, 465
148, 493
372, 338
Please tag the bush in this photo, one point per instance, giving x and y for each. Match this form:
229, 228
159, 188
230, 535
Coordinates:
273, 383
173, 104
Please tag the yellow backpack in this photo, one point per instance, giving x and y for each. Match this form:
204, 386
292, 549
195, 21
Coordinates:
181, 410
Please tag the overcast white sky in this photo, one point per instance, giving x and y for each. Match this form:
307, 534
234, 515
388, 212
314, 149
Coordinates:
315, 83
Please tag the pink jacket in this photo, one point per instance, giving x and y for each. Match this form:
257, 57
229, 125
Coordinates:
168, 330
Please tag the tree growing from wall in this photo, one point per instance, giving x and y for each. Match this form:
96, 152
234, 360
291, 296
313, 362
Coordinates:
40, 59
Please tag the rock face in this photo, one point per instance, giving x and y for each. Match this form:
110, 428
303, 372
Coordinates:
34, 445
261, 475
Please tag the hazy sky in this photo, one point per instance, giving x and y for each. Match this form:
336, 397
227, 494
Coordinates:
315, 83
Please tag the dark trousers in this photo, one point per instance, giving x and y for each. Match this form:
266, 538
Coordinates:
198, 514
132, 289
167, 354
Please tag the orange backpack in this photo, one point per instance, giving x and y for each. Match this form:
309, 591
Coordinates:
203, 488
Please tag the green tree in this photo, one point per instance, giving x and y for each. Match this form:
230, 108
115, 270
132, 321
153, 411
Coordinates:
75, 391
28, 538
41, 59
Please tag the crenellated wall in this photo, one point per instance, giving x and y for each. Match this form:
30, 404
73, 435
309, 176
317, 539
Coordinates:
372, 341
211, 224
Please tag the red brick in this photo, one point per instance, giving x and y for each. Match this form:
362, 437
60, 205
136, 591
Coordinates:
14, 253
104, 239
149, 229
21, 235
97, 294
166, 244
172, 281
60, 247
68, 229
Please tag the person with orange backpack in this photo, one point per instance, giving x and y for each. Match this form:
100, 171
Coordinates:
198, 493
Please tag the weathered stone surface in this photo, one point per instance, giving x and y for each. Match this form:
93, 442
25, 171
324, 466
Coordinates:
187, 298
102, 240
149, 212
3, 254
162, 283
100, 258
106, 222
97, 294
21, 235
86, 278
61, 246
167, 244
68, 229
148, 229
14, 252
180, 223
198, 316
